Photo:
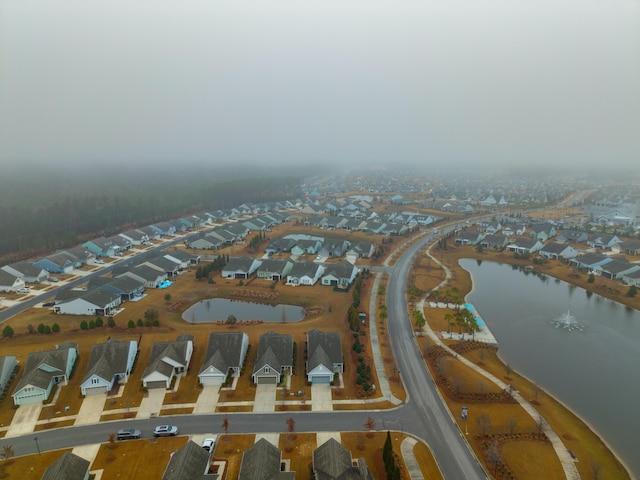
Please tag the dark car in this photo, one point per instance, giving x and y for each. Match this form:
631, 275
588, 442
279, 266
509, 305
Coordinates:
128, 434
48, 304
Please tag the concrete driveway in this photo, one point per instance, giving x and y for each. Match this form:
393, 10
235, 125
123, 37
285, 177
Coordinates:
321, 400
265, 400
91, 409
151, 404
24, 420
207, 400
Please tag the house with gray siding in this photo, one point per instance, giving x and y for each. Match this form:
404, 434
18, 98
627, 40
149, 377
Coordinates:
225, 356
150, 277
340, 274
469, 238
27, 271
274, 269
305, 273
494, 242
521, 246
42, 371
616, 269
324, 356
632, 278
542, 231
274, 359
603, 241
110, 363
167, 360
589, 261
557, 251
240, 267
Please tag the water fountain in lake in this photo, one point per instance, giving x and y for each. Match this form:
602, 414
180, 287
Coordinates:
568, 322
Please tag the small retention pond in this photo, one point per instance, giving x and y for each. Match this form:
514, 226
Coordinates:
219, 309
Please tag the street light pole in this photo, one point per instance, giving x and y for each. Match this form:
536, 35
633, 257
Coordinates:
37, 445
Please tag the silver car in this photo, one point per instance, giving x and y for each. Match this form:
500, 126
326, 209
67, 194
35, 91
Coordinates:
128, 434
165, 431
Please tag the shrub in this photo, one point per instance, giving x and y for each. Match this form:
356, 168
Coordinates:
31, 329
131, 324
99, 322
47, 329
111, 322
7, 332
139, 322
84, 325
41, 328
156, 323
55, 328
147, 323
92, 324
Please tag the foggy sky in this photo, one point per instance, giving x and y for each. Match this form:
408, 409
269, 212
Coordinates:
345, 82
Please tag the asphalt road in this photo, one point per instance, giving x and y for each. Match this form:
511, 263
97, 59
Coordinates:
423, 415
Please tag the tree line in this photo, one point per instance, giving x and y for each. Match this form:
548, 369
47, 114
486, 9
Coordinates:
67, 216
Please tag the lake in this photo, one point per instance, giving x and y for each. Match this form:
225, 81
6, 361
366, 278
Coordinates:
594, 371
214, 309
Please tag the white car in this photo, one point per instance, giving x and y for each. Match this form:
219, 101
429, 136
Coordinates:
209, 443
100, 262
165, 431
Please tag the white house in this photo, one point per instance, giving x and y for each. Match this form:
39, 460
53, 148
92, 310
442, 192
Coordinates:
225, 356
98, 302
167, 360
305, 273
10, 283
110, 363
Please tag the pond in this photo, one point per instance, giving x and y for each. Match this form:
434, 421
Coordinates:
215, 309
592, 369
588, 359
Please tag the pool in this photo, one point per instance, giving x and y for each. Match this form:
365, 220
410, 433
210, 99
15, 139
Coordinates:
473, 310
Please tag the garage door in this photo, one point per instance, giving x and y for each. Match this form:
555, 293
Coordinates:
321, 379
95, 390
158, 384
267, 380
211, 381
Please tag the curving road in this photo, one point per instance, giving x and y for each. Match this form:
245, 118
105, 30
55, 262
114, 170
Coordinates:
423, 415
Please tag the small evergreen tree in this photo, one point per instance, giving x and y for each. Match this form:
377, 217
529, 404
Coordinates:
84, 325
99, 322
7, 332
111, 322
131, 324
55, 328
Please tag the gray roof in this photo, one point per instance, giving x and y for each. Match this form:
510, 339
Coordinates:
275, 350
163, 263
55, 362
6, 278
239, 264
300, 269
100, 297
261, 461
176, 351
342, 269
67, 467
324, 348
190, 462
26, 268
223, 351
332, 461
108, 359
555, 248
273, 265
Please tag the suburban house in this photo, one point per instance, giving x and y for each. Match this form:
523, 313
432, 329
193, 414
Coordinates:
128, 288
280, 245
514, 229
110, 363
469, 238
324, 356
99, 301
161, 264
190, 462
8, 364
494, 241
361, 250
332, 461
630, 247
151, 233
101, 247
572, 236
120, 243
150, 277
305, 273
225, 356
275, 358
263, 461
183, 258
542, 231
557, 251
56, 263
309, 246
632, 278
42, 371
490, 228
81, 256
616, 268
26, 271
164, 229
240, 267
205, 241
274, 269
340, 274
68, 466
589, 261
332, 247
135, 237
167, 360
10, 283
603, 241
521, 246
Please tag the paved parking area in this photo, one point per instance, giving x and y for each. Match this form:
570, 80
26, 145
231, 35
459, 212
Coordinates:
151, 404
91, 409
265, 400
24, 420
321, 400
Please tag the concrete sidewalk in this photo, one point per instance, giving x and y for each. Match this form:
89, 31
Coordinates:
207, 400
321, 400
151, 404
91, 409
410, 460
265, 399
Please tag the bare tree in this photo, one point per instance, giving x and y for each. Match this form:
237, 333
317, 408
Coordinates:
512, 424
225, 425
7, 452
540, 424
493, 456
484, 423
481, 386
291, 427
370, 425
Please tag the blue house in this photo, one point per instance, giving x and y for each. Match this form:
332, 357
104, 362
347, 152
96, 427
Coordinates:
101, 247
56, 263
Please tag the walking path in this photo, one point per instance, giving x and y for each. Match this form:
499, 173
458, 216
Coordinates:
410, 460
568, 465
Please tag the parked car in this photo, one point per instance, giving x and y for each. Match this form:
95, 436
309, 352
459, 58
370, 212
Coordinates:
209, 443
128, 434
53, 279
165, 431
48, 304
24, 290
99, 262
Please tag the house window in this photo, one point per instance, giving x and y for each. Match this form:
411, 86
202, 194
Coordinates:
267, 369
95, 380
